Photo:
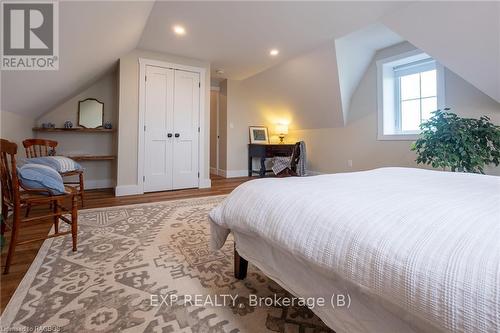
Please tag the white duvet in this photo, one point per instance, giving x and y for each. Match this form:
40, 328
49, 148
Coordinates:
426, 241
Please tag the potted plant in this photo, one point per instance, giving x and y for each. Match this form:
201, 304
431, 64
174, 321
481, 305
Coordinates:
459, 144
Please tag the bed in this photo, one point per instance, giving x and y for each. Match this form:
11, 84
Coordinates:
414, 250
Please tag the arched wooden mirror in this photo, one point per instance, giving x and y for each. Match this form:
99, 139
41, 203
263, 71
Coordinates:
90, 113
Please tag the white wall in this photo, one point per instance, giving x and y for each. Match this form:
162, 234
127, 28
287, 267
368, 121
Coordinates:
214, 110
354, 54
303, 91
128, 116
16, 128
98, 174
329, 147
223, 125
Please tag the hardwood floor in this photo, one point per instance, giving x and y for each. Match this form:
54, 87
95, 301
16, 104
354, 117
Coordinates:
25, 254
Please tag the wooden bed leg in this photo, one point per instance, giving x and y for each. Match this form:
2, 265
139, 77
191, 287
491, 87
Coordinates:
240, 266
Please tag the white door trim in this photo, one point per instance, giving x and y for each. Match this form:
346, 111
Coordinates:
143, 62
217, 135
217, 132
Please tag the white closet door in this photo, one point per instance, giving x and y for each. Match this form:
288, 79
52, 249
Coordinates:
186, 122
158, 122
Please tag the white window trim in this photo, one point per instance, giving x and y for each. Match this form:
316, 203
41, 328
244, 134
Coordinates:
388, 63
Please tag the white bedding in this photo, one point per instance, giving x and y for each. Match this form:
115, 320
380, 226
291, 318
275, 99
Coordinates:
426, 241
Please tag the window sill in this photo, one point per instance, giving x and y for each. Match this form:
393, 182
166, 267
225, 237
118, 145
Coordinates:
397, 137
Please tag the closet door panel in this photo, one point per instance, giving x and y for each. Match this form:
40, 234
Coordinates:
158, 122
186, 122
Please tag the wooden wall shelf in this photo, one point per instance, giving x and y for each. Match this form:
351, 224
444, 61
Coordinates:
92, 157
74, 130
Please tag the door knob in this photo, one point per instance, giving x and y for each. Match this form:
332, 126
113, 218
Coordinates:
177, 135
169, 135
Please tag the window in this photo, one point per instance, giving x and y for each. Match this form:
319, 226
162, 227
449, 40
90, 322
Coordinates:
410, 88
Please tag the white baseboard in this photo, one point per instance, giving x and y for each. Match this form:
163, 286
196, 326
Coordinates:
314, 173
137, 189
233, 173
244, 173
205, 183
128, 190
91, 184
214, 171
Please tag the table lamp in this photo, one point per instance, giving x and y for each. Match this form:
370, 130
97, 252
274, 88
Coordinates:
282, 130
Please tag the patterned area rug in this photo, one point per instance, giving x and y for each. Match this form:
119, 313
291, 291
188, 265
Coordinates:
138, 269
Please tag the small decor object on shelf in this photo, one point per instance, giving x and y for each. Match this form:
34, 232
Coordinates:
107, 125
68, 124
459, 144
45, 125
51, 125
258, 134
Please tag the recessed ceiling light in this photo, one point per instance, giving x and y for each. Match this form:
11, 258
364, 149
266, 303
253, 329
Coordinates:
274, 52
179, 30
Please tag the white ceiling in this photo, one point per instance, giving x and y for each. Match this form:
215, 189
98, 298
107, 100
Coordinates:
92, 37
303, 91
354, 54
463, 36
237, 36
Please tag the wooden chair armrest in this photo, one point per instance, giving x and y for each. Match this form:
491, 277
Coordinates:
71, 173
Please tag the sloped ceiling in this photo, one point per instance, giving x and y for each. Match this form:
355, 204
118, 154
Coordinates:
92, 37
237, 36
354, 54
303, 91
463, 36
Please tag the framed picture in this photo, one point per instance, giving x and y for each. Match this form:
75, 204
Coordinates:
258, 134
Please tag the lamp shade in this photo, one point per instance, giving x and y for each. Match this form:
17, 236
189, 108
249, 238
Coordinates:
282, 128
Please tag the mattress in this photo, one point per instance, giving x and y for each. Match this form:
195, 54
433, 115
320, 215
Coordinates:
423, 241
347, 308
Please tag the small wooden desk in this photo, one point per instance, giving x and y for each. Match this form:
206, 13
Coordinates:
264, 151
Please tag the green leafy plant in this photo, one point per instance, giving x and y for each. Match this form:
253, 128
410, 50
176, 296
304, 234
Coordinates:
459, 144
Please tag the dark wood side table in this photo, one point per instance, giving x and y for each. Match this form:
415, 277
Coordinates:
264, 151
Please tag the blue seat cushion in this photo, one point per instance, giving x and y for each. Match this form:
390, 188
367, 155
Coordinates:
39, 176
59, 163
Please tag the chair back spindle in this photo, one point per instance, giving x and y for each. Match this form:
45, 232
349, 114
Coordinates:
43, 147
39, 147
8, 172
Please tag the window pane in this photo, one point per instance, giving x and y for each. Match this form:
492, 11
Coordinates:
428, 81
410, 115
410, 86
428, 105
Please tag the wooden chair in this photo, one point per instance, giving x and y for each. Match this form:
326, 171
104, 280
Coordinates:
292, 171
15, 197
295, 158
42, 147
